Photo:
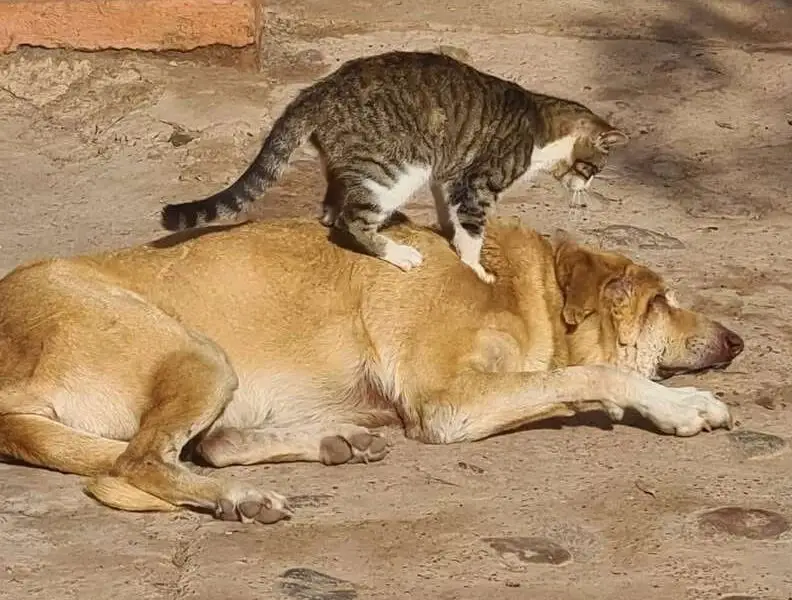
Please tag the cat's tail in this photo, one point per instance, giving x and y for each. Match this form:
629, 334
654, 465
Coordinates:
290, 131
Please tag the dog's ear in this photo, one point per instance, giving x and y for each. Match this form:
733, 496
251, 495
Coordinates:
628, 297
559, 237
579, 278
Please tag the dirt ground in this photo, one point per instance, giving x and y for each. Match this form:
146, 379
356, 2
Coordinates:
93, 144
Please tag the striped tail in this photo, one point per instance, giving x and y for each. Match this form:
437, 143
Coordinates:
288, 133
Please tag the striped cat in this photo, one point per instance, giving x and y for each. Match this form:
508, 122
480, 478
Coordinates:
387, 125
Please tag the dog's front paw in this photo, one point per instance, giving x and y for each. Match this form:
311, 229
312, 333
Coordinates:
691, 411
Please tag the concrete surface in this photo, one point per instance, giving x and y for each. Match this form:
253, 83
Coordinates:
93, 144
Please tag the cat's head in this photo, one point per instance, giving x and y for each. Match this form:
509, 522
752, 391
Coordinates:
587, 146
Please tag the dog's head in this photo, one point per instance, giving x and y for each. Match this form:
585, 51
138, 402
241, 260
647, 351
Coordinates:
619, 312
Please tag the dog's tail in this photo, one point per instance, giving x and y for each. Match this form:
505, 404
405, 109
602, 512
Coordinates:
290, 131
118, 493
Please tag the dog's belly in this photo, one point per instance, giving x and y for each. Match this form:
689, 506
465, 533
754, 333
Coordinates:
290, 398
94, 407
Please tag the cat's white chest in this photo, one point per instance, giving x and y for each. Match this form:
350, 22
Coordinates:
548, 156
411, 179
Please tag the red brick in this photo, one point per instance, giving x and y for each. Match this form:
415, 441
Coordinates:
134, 24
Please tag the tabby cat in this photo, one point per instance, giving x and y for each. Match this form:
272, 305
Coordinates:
386, 125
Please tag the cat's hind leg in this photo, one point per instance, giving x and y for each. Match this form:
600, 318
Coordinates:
440, 195
367, 205
332, 203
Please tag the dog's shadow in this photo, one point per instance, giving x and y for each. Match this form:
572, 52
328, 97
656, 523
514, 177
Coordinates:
597, 419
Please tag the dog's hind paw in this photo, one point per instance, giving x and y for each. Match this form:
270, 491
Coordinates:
356, 445
252, 507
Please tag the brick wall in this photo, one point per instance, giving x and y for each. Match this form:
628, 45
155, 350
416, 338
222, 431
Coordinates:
134, 24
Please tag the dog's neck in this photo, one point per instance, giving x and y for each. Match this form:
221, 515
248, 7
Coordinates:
516, 256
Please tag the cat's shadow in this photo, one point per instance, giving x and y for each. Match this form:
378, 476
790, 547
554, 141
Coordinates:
334, 235
345, 240
179, 237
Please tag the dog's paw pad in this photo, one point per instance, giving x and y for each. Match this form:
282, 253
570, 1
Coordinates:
266, 508
357, 446
368, 446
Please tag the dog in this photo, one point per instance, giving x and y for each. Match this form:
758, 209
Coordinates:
264, 342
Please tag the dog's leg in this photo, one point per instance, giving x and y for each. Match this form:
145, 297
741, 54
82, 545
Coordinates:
39, 440
331, 444
478, 405
189, 391
30, 432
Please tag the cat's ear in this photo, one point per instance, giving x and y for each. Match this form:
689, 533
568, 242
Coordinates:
612, 138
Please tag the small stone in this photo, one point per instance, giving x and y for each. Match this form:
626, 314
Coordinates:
529, 550
307, 584
310, 500
629, 236
755, 444
465, 466
751, 523
668, 168
767, 402
180, 138
775, 397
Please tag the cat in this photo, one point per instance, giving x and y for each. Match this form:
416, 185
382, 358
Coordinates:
386, 125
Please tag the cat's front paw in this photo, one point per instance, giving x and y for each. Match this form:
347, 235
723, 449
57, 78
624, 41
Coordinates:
482, 273
404, 257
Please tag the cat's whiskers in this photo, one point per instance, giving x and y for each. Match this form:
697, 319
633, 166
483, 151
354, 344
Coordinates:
578, 199
609, 172
577, 203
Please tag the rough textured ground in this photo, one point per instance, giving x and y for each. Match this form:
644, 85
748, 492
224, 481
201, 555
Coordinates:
93, 144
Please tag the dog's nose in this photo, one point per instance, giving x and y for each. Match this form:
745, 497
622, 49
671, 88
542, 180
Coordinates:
734, 343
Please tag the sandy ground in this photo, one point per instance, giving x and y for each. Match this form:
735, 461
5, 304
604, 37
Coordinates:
93, 144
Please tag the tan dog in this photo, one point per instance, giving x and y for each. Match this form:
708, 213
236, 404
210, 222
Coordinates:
265, 342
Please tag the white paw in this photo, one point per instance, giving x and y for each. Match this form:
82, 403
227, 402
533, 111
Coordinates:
404, 257
692, 411
482, 273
